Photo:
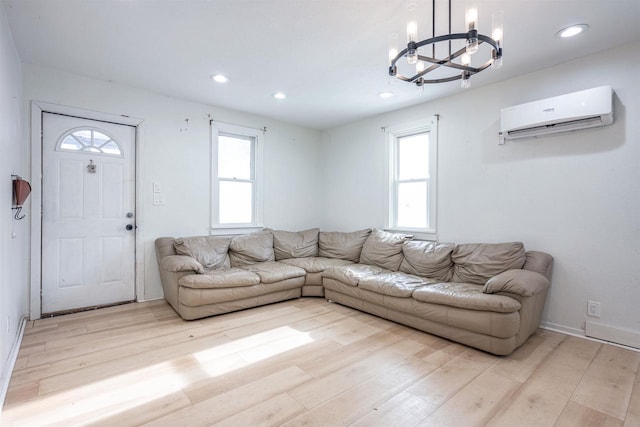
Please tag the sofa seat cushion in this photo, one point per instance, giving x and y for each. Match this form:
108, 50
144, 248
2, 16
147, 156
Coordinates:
501, 325
315, 264
352, 274
393, 284
213, 279
271, 272
467, 296
198, 297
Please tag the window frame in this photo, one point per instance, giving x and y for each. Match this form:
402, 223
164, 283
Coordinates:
393, 136
225, 129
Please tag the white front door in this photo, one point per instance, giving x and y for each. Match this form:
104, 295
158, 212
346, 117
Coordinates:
88, 218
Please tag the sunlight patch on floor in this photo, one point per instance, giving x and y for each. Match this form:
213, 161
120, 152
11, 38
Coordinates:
120, 393
107, 397
251, 349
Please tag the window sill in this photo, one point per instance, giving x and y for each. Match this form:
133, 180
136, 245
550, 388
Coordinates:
417, 234
232, 230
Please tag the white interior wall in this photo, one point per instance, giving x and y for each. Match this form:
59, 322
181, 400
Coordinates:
14, 235
179, 159
575, 196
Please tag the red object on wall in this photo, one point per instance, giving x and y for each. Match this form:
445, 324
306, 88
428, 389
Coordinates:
21, 190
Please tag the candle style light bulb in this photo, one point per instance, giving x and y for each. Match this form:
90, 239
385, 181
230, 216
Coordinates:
412, 33
412, 23
471, 24
497, 34
471, 16
465, 59
393, 47
465, 82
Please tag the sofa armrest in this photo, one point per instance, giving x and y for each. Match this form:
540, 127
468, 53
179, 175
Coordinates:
520, 282
175, 263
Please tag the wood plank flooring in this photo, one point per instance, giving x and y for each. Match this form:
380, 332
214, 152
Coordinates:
304, 362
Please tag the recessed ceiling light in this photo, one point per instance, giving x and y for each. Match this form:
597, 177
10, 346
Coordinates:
220, 78
571, 31
385, 94
279, 95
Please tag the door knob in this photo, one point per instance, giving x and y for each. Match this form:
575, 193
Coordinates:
129, 214
129, 227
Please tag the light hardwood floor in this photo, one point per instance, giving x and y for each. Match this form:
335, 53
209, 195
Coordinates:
305, 362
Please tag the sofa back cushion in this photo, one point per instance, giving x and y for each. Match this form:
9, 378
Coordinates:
347, 246
384, 249
251, 248
301, 244
210, 251
478, 262
428, 259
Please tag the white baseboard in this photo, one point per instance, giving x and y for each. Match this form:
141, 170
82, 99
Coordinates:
150, 299
11, 362
616, 335
613, 336
561, 328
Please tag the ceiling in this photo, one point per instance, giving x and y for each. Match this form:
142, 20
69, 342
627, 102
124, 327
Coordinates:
328, 56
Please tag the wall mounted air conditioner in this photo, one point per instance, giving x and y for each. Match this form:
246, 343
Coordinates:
573, 111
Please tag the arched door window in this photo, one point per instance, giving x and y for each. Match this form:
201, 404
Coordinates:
89, 140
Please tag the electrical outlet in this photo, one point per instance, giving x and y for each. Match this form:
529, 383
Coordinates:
593, 309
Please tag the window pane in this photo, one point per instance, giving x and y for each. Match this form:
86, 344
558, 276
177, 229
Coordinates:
84, 136
412, 205
110, 148
99, 139
234, 157
70, 143
413, 156
236, 202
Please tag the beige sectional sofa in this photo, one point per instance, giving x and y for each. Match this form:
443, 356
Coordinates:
488, 296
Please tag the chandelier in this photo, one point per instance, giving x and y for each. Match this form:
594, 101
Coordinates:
456, 63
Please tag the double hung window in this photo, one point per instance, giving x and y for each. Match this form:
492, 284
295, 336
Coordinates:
236, 165
412, 155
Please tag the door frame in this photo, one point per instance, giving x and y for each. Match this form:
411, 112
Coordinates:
37, 108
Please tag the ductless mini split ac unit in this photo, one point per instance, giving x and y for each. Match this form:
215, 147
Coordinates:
574, 111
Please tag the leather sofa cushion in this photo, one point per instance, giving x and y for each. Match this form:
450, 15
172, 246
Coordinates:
251, 248
335, 244
478, 262
352, 274
228, 278
428, 259
315, 264
175, 263
393, 284
384, 249
210, 251
271, 272
467, 296
520, 282
301, 244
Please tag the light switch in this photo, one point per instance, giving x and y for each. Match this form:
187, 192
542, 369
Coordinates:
156, 187
159, 199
